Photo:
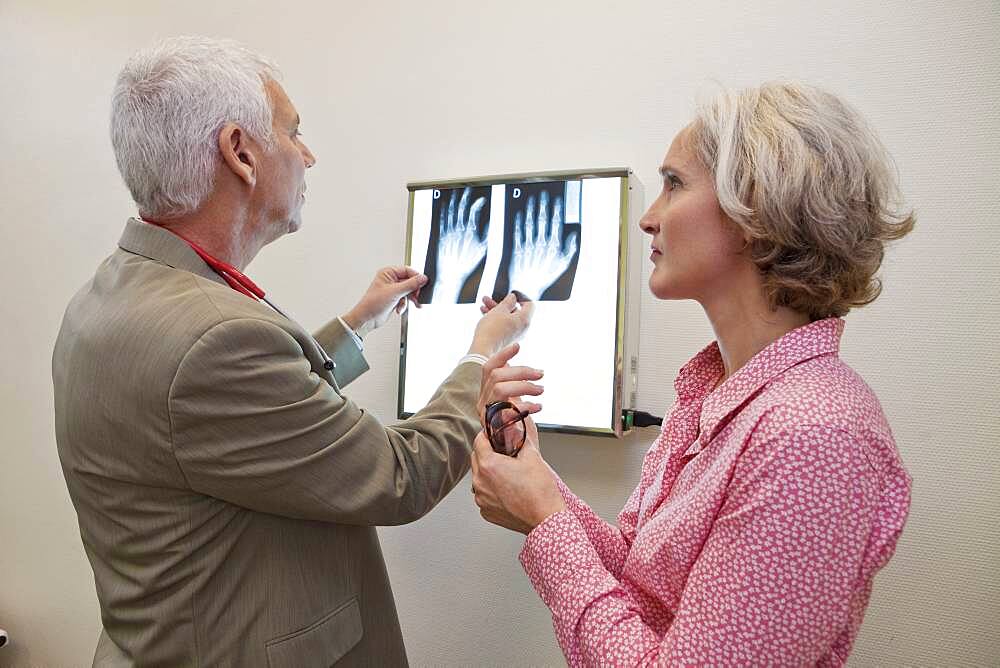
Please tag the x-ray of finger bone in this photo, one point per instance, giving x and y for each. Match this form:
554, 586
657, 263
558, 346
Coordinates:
457, 246
542, 240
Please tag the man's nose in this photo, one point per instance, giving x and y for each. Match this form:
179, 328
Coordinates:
308, 156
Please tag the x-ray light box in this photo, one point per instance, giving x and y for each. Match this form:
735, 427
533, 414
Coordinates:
561, 239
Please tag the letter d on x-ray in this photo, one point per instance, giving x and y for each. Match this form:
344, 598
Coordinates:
437, 194
517, 193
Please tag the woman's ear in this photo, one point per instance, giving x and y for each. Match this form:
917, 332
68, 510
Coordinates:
238, 153
741, 238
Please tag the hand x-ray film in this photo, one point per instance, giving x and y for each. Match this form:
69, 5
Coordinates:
541, 240
555, 238
456, 245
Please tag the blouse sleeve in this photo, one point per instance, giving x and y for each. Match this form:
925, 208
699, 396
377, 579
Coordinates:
774, 580
609, 542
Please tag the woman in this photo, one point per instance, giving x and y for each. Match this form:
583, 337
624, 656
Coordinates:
774, 491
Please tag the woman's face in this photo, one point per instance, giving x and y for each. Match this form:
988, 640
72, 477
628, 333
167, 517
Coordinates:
697, 249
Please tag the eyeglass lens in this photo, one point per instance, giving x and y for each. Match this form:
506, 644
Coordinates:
507, 431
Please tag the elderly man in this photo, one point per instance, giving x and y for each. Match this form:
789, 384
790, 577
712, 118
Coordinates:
227, 491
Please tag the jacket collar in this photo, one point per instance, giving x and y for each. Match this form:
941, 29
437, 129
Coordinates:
799, 345
160, 245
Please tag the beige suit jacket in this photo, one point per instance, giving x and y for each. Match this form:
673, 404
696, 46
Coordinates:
226, 490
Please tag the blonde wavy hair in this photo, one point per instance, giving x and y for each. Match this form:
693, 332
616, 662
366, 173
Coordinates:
811, 187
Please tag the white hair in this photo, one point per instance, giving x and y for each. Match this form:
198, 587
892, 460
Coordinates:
169, 104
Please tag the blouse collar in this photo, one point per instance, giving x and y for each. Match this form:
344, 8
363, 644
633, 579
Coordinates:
697, 378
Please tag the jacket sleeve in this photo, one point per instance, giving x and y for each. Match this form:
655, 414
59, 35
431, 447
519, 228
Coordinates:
344, 351
253, 425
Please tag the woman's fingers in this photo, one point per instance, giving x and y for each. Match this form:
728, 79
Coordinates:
530, 407
475, 457
514, 388
481, 451
531, 437
496, 382
516, 373
500, 359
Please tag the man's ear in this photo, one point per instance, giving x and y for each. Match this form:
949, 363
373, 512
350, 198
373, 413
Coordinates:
237, 153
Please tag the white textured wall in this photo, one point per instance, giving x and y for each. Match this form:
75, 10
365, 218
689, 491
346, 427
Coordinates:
392, 92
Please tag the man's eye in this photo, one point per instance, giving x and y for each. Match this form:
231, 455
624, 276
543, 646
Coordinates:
671, 182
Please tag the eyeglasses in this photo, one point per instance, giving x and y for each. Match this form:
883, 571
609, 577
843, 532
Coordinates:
505, 427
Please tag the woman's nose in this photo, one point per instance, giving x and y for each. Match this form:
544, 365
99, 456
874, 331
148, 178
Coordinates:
647, 223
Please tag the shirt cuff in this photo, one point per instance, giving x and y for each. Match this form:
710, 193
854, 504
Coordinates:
472, 357
354, 335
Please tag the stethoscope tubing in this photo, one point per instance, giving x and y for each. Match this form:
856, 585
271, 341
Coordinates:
240, 282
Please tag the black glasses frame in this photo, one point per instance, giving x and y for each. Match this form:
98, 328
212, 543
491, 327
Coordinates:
495, 433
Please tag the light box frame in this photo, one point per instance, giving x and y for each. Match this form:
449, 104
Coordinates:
625, 174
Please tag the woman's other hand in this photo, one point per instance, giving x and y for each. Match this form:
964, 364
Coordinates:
502, 382
515, 493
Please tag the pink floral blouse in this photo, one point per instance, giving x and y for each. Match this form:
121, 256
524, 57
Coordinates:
765, 508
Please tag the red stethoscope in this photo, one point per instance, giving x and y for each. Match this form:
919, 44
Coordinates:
240, 282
